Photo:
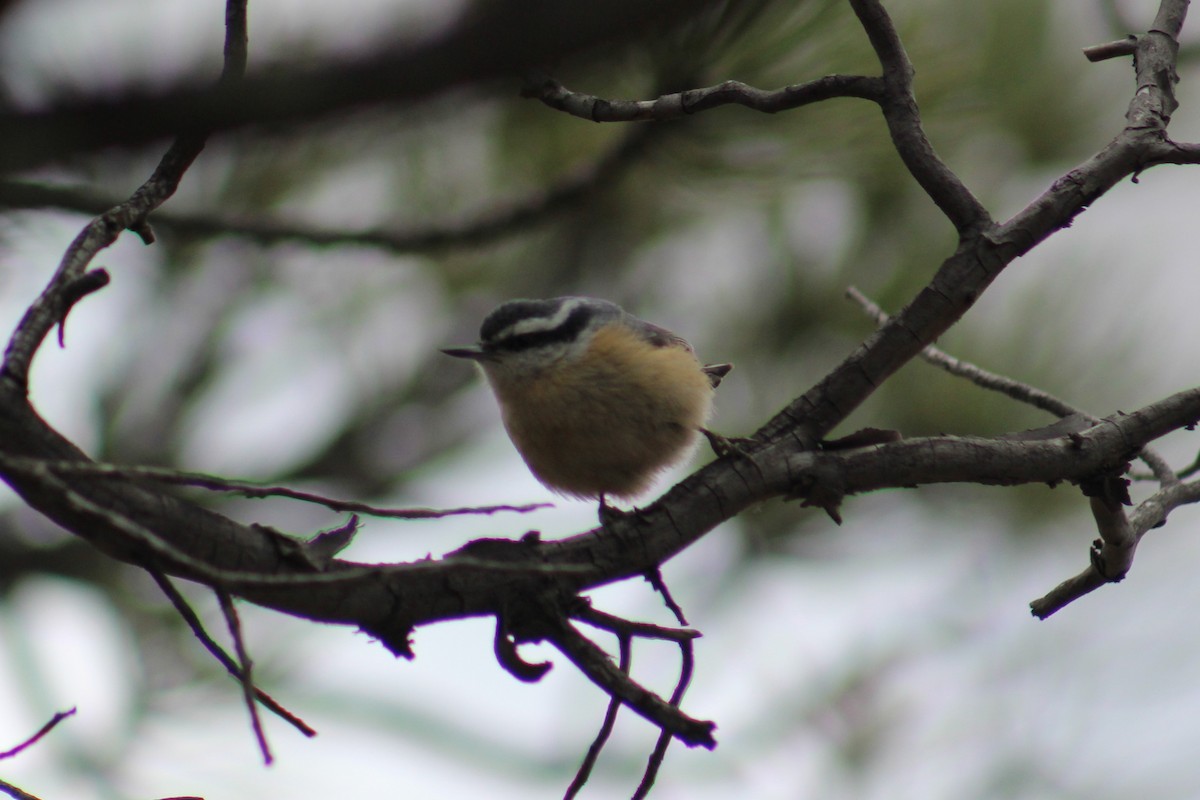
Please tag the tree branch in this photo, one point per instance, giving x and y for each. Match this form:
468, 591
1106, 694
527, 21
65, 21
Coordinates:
245, 673
681, 104
505, 219
197, 627
893, 92
32, 740
1151, 513
254, 490
625, 650
389, 600
980, 257
492, 41
57, 298
903, 118
1021, 392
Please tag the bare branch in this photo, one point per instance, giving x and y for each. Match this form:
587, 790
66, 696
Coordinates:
1021, 392
197, 627
931, 354
596, 665
57, 298
14, 792
655, 578
693, 101
246, 677
1151, 513
903, 118
606, 727
493, 42
32, 740
686, 666
1117, 540
893, 92
256, 490
624, 627
509, 658
980, 258
250, 560
1117, 49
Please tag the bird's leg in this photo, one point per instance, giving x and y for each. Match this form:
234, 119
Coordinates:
609, 514
738, 447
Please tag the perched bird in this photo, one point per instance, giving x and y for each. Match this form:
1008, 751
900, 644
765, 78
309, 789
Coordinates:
597, 401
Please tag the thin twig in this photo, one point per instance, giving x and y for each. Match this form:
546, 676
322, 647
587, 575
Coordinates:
687, 664
595, 664
681, 104
1117, 49
1021, 392
625, 627
49, 726
193, 621
247, 679
257, 491
625, 646
655, 578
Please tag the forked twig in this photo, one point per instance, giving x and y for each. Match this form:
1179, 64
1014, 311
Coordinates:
193, 621
625, 645
686, 668
245, 673
1017, 390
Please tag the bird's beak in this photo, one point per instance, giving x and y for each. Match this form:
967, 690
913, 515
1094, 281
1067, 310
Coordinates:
473, 352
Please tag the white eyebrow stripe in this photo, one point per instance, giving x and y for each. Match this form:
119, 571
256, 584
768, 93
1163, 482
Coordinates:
540, 324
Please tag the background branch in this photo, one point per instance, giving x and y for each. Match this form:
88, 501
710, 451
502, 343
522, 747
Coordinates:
49, 309
493, 41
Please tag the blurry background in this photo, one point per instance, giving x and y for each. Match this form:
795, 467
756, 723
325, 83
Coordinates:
892, 657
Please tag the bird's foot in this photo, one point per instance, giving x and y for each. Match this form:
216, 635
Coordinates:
727, 447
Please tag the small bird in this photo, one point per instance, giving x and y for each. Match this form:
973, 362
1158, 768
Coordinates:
597, 401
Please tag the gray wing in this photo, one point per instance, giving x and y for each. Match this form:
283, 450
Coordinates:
658, 336
661, 337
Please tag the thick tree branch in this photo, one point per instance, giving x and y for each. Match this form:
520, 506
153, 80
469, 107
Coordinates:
389, 600
136, 519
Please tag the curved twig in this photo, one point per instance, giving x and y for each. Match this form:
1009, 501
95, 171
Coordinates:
584, 772
52, 305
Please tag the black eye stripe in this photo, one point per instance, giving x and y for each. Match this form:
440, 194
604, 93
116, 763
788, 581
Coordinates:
514, 311
566, 331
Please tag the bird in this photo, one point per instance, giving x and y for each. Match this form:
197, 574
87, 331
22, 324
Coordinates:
596, 401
